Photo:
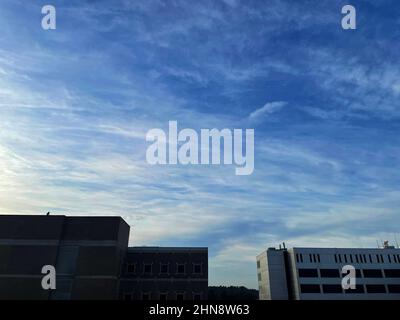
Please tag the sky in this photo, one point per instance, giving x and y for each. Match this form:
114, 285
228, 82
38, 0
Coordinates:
76, 104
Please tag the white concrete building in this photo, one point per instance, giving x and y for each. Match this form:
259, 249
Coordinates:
316, 273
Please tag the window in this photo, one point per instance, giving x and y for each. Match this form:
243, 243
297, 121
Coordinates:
390, 260
147, 268
146, 296
301, 257
345, 258
311, 260
180, 296
392, 273
164, 268
163, 296
357, 258
394, 288
370, 259
308, 273
394, 258
259, 277
197, 268
359, 289
382, 259
131, 268
319, 258
335, 258
340, 258
259, 265
331, 288
372, 273
329, 273
128, 296
196, 296
180, 268
351, 258
376, 288
365, 258
377, 258
310, 288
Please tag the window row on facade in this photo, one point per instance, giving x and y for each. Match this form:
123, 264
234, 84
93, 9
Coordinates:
164, 268
335, 273
335, 288
163, 296
350, 258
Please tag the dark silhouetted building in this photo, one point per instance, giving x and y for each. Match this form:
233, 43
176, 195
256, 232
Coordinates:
93, 261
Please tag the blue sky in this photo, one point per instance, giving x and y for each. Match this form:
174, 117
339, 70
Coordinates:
76, 103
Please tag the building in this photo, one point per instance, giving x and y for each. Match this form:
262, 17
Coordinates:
154, 273
92, 261
316, 273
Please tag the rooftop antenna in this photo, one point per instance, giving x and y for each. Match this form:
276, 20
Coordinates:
377, 243
284, 246
48, 213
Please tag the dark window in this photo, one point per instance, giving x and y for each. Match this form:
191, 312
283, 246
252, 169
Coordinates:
331, 288
382, 259
301, 257
131, 268
329, 273
359, 289
394, 288
340, 258
372, 273
392, 273
128, 296
345, 258
357, 258
310, 255
377, 258
197, 268
196, 296
390, 260
365, 258
308, 273
394, 258
376, 288
259, 277
164, 268
180, 268
335, 258
259, 265
145, 296
310, 288
370, 259
163, 297
147, 268
319, 258
351, 258
180, 296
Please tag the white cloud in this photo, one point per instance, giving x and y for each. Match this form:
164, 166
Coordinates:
268, 108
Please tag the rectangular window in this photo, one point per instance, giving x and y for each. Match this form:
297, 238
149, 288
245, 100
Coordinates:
340, 258
359, 289
332, 288
382, 259
301, 257
394, 288
180, 296
308, 273
345, 258
319, 258
310, 256
197, 268
376, 288
351, 258
370, 259
335, 258
259, 264
259, 277
147, 268
365, 258
131, 268
377, 258
164, 268
392, 273
390, 260
329, 273
146, 296
180, 268
310, 288
357, 258
372, 273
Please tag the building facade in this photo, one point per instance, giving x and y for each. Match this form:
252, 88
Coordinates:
316, 273
160, 273
92, 261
